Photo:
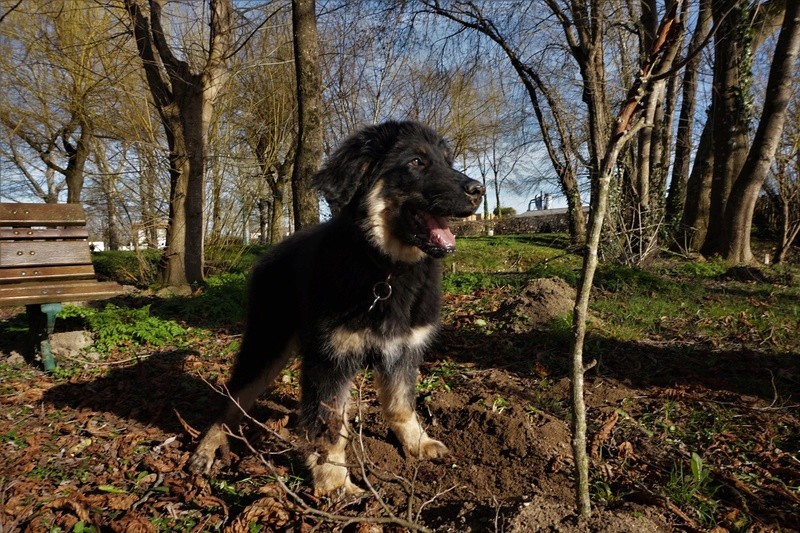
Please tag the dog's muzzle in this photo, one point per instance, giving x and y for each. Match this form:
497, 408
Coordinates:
436, 239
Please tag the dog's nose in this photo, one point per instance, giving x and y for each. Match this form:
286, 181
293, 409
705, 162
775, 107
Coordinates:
474, 190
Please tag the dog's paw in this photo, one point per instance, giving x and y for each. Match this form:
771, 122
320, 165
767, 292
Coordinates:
200, 462
203, 457
431, 449
333, 480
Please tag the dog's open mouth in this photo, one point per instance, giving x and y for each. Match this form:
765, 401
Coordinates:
434, 236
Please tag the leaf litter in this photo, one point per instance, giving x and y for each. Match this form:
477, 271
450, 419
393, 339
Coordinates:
107, 445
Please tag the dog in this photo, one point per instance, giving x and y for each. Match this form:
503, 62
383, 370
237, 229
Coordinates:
361, 289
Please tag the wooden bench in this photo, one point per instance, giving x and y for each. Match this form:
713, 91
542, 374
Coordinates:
45, 260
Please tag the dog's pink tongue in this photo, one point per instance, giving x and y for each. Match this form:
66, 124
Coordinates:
439, 232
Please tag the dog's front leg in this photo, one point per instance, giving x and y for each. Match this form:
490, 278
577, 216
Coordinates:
325, 402
396, 392
328, 467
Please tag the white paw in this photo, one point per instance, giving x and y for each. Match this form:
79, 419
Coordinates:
331, 479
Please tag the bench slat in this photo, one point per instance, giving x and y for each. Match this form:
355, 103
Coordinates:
45, 273
27, 215
72, 291
16, 234
31, 253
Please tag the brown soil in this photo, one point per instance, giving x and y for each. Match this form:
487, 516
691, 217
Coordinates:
109, 447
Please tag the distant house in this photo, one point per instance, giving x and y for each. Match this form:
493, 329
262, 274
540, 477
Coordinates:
139, 231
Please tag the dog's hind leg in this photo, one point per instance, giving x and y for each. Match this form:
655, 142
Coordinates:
396, 392
258, 363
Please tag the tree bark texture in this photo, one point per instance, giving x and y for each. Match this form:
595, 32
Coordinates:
730, 114
698, 193
309, 111
77, 154
744, 191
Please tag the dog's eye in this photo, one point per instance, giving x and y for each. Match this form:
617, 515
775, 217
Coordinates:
416, 163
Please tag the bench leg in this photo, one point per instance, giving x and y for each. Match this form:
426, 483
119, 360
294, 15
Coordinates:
42, 320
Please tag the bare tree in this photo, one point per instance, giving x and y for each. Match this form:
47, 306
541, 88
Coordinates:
553, 119
266, 122
684, 144
782, 195
659, 61
55, 81
183, 93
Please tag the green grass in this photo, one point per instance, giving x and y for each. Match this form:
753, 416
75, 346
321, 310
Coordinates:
221, 302
232, 259
508, 253
482, 263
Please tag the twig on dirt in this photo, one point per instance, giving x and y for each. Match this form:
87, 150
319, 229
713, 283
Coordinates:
361, 457
769, 408
159, 480
305, 507
433, 499
343, 519
690, 522
193, 433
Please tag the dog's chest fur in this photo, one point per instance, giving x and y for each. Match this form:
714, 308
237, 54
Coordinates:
343, 290
366, 327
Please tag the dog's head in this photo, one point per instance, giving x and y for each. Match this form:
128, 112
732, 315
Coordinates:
397, 180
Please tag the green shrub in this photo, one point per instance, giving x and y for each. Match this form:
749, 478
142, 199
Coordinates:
120, 326
221, 300
132, 268
232, 258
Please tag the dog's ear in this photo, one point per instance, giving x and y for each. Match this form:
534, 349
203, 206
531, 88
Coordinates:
352, 169
343, 175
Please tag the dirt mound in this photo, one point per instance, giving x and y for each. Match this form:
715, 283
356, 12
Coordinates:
547, 514
541, 302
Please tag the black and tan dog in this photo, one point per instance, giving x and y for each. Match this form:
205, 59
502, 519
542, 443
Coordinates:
362, 289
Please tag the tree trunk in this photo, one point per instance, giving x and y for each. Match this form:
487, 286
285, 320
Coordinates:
676, 197
730, 114
744, 191
789, 230
276, 223
147, 199
184, 101
173, 266
195, 115
698, 193
262, 207
309, 112
77, 155
112, 232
